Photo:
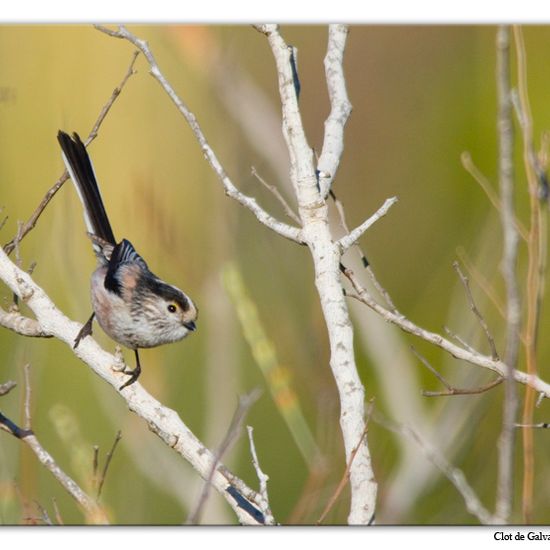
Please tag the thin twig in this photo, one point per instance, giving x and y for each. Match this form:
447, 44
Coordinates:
464, 391
23, 502
6, 387
45, 518
345, 477
108, 459
484, 183
26, 371
427, 364
348, 240
18, 238
116, 92
459, 339
233, 431
262, 477
3, 222
481, 281
453, 474
476, 312
277, 194
58, 518
380, 289
450, 389
95, 466
342, 215
31, 222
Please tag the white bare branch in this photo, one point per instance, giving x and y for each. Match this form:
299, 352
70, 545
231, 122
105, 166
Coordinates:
351, 238
326, 254
302, 168
14, 320
263, 478
340, 108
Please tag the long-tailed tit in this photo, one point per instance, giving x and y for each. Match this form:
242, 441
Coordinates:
132, 305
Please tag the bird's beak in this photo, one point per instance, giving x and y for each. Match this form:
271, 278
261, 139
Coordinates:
190, 326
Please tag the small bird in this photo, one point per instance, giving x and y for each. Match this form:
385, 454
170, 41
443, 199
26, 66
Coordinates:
132, 305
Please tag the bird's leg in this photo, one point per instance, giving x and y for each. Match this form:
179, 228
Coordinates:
134, 374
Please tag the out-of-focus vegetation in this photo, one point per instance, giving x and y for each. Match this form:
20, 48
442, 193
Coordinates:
421, 96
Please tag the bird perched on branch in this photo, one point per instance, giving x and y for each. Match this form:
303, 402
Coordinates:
131, 304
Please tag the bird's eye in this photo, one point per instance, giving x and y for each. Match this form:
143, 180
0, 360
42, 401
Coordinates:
172, 308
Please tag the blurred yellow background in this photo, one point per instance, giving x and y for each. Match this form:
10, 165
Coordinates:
421, 97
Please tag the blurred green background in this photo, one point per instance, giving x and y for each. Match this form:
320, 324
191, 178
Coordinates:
421, 97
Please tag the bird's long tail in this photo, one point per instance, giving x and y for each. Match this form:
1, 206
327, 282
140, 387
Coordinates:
80, 169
